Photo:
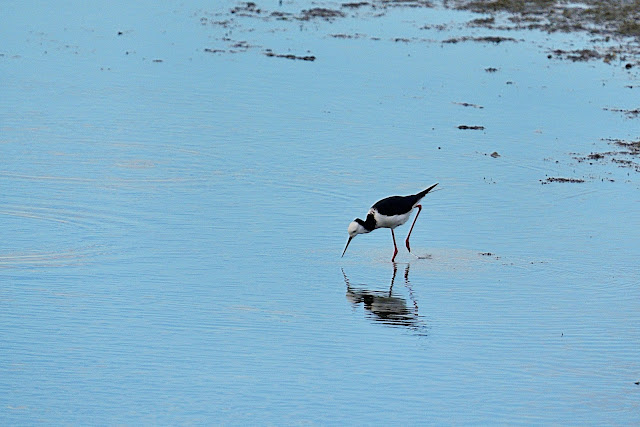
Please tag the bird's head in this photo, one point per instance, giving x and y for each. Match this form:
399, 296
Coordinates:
356, 227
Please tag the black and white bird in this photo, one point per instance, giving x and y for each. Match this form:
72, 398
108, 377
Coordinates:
389, 213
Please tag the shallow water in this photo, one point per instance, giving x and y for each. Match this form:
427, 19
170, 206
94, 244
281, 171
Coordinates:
172, 230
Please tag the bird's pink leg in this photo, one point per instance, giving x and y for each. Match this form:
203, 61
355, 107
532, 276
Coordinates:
395, 248
411, 229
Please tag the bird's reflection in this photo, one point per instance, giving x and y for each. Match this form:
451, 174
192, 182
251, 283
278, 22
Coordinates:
385, 306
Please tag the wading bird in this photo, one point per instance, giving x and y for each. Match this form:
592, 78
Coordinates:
388, 213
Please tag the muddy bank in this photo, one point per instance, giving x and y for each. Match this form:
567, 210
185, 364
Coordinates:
598, 17
612, 29
626, 154
614, 25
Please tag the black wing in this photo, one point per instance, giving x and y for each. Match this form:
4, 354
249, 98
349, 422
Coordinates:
396, 205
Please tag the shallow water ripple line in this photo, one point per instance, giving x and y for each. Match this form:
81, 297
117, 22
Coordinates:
46, 259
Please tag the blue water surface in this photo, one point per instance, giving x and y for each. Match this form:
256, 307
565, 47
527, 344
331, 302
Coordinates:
172, 220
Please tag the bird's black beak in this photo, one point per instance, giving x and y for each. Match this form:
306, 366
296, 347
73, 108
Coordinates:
345, 248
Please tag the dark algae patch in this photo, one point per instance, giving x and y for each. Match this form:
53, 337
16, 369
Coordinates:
551, 179
609, 32
629, 113
355, 5
322, 13
632, 147
626, 154
290, 56
578, 55
614, 24
612, 21
486, 39
467, 104
604, 17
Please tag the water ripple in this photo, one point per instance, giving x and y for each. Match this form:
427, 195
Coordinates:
42, 259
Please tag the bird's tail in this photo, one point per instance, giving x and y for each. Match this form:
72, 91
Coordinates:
423, 193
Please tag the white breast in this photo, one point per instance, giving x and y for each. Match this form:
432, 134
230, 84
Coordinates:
383, 221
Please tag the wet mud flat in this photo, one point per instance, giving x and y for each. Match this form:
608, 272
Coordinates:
614, 25
609, 32
615, 30
625, 155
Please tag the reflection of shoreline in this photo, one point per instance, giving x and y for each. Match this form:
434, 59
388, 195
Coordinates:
384, 306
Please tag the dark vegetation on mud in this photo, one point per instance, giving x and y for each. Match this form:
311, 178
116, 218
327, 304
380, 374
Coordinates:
612, 27
616, 23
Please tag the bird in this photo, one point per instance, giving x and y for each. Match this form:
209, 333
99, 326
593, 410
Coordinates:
389, 212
